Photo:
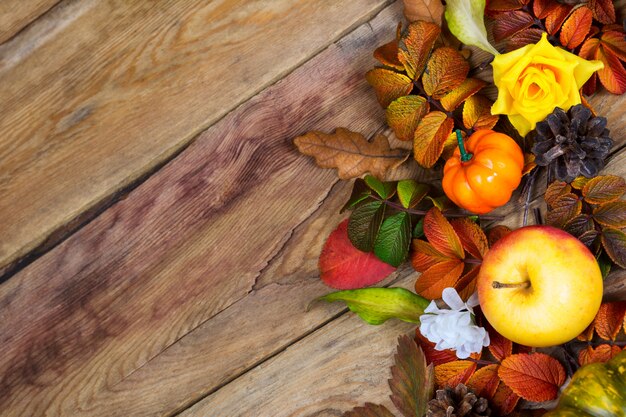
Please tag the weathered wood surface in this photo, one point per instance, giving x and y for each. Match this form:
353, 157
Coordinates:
15, 15
97, 94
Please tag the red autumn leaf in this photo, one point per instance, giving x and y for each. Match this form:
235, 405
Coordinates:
524, 37
541, 8
504, 400
499, 346
496, 233
603, 11
602, 353
485, 381
588, 50
534, 377
615, 42
441, 235
344, 267
591, 85
472, 237
502, 5
425, 255
453, 373
576, 27
556, 16
609, 320
434, 356
438, 277
508, 24
613, 75
466, 285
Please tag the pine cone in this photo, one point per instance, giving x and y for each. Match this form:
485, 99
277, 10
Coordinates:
571, 144
457, 402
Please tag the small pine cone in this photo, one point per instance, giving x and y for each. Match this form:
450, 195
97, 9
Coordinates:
571, 144
457, 402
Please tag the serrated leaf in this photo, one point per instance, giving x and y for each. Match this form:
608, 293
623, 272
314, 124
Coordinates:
509, 23
541, 8
466, 22
351, 153
555, 190
411, 192
369, 410
615, 42
579, 182
434, 356
425, 255
360, 193
418, 229
565, 207
603, 11
588, 50
534, 377
431, 283
609, 319
377, 305
384, 189
453, 373
416, 47
394, 238
431, 133
496, 233
576, 28
441, 234
404, 114
343, 266
465, 90
499, 346
466, 285
485, 381
477, 113
604, 189
523, 38
613, 75
446, 70
578, 225
471, 236
611, 214
504, 400
589, 237
556, 16
388, 84
600, 354
364, 224
412, 380
614, 243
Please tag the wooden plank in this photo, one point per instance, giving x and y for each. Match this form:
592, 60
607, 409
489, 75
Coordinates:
181, 247
100, 93
17, 14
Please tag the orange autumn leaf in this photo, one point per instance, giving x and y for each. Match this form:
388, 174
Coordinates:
600, 354
499, 346
453, 373
603, 10
416, 47
504, 400
614, 41
587, 334
485, 381
465, 90
534, 377
466, 285
613, 75
441, 234
588, 50
472, 237
388, 85
387, 54
425, 255
434, 356
555, 190
576, 27
523, 38
477, 113
446, 70
609, 320
431, 283
508, 24
541, 8
405, 113
430, 135
556, 16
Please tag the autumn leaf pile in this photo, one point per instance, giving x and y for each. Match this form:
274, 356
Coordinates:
602, 335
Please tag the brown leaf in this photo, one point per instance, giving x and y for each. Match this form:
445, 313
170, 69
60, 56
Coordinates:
477, 113
504, 400
387, 54
565, 207
613, 75
418, 43
412, 380
556, 16
369, 410
434, 356
441, 234
523, 38
534, 377
611, 214
468, 88
604, 189
578, 225
405, 113
430, 135
351, 153
502, 5
541, 8
425, 255
388, 85
615, 42
446, 70
509, 23
466, 285
555, 190
472, 237
600, 354
609, 320
426, 10
438, 277
603, 11
496, 233
453, 373
614, 243
576, 27
485, 381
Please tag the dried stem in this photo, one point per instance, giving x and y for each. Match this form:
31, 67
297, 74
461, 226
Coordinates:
423, 212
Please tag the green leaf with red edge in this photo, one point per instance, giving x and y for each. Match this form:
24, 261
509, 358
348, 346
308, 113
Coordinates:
509, 23
504, 400
425, 255
599, 354
388, 84
453, 373
369, 410
441, 234
465, 90
364, 225
485, 381
430, 135
611, 214
431, 283
523, 38
603, 11
434, 356
387, 54
579, 182
576, 27
565, 207
472, 237
555, 190
615, 42
477, 113
541, 8
534, 377
613, 75
343, 266
587, 334
556, 16
578, 225
446, 70
496, 233
609, 319
412, 380
499, 346
404, 114
415, 47
614, 243
604, 189
466, 285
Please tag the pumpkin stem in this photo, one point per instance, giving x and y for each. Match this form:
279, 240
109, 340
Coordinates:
465, 156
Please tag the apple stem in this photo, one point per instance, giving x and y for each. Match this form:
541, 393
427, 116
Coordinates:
497, 284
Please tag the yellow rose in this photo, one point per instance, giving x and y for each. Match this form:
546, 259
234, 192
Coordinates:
535, 79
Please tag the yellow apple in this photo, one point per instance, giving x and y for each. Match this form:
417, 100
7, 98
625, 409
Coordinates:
539, 286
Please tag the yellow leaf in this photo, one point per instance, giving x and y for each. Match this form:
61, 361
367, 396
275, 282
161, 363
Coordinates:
477, 113
404, 114
468, 88
416, 47
431, 133
446, 70
389, 85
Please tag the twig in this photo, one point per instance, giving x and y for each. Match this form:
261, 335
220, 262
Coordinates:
423, 212
529, 192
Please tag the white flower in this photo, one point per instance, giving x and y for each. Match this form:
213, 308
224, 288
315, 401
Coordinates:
455, 328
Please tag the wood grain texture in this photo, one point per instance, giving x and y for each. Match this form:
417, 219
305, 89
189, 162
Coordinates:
182, 247
17, 14
101, 92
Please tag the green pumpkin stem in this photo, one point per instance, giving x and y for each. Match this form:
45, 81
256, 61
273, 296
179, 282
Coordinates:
465, 156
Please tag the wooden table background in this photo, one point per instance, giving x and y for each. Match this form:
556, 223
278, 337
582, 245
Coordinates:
159, 233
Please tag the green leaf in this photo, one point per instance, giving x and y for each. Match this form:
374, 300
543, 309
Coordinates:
377, 305
412, 382
364, 225
466, 21
614, 242
418, 230
392, 243
383, 189
411, 192
369, 410
442, 203
605, 264
360, 192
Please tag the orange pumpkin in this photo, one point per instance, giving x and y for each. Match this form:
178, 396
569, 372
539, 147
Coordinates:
484, 176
